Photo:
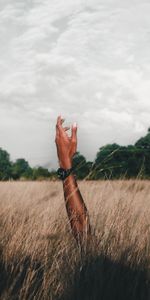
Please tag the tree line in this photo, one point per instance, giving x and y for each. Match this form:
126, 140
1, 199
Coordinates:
21, 170
112, 162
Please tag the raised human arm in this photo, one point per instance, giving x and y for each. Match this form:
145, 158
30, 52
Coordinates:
75, 206
76, 209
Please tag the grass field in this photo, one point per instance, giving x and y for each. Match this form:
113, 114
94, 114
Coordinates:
39, 258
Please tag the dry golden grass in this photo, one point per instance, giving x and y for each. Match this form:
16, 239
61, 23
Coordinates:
39, 258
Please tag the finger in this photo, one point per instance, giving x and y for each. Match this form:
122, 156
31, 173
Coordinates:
74, 132
59, 125
57, 133
59, 120
62, 121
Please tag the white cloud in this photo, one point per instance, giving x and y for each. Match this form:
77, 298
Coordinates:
88, 60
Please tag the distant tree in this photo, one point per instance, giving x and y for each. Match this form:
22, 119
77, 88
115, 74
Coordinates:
40, 173
53, 175
82, 167
28, 174
107, 163
144, 142
20, 168
89, 166
134, 162
143, 145
5, 165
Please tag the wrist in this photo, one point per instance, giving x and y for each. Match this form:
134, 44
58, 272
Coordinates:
67, 164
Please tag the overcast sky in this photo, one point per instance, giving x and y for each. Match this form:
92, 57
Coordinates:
86, 60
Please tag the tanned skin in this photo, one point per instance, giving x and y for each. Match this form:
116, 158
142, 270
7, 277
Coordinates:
75, 206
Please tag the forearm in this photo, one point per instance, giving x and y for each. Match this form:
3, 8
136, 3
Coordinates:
76, 209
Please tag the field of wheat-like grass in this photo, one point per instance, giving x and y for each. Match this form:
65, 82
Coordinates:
39, 258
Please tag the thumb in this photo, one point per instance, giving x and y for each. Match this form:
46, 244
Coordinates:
74, 131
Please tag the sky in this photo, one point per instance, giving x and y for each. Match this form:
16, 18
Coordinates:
86, 60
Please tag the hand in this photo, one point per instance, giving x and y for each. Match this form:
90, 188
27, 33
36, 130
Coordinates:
66, 146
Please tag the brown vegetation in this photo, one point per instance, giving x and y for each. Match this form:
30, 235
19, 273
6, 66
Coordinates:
39, 258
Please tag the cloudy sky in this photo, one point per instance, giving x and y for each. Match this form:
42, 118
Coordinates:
88, 60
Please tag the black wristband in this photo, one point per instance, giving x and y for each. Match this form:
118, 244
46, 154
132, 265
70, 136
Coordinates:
64, 173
